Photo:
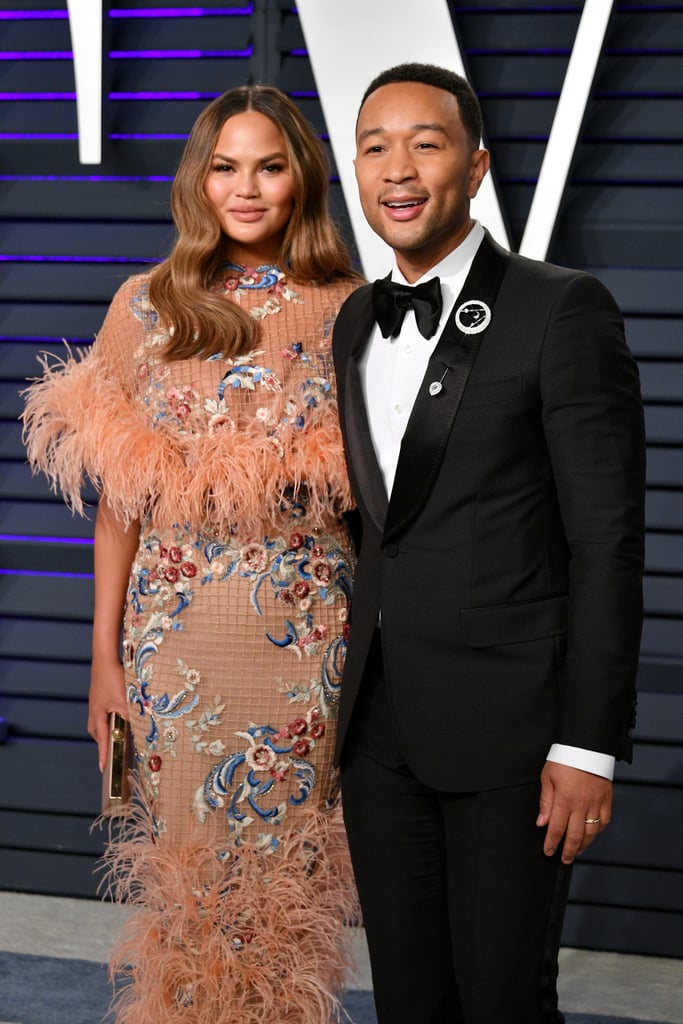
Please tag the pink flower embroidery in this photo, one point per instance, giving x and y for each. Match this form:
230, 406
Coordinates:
218, 422
260, 758
254, 557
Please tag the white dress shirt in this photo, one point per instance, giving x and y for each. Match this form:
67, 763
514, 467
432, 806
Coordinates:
392, 370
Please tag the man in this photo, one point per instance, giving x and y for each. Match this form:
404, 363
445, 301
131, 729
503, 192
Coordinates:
495, 448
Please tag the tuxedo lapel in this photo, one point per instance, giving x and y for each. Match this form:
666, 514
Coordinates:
357, 429
433, 415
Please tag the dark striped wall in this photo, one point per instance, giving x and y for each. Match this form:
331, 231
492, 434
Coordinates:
92, 226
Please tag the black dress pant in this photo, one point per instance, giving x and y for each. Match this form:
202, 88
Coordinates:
462, 909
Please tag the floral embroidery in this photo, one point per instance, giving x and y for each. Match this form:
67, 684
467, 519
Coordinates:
270, 757
242, 374
268, 278
209, 719
219, 418
298, 584
300, 572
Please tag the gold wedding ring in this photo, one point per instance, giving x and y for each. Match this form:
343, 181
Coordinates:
591, 821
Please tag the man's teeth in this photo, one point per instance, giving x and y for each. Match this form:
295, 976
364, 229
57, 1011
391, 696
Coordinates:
400, 206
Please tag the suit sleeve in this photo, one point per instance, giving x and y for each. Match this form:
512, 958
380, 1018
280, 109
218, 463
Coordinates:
593, 422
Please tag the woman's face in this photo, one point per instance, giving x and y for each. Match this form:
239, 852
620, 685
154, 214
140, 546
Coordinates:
251, 188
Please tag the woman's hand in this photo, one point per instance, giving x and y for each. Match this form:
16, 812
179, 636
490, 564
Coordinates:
107, 694
115, 547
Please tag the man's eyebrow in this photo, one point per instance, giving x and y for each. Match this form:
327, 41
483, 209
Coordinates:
432, 127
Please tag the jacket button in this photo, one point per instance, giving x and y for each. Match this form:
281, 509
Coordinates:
391, 550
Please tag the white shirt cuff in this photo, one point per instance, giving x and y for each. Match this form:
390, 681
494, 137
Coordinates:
586, 760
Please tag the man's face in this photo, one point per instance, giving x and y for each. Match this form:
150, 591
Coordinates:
416, 172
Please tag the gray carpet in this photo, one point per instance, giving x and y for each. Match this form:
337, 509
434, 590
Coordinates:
48, 990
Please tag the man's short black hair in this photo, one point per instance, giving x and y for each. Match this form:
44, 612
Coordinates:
440, 78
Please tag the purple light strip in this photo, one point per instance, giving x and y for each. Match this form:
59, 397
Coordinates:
38, 539
87, 177
125, 54
162, 95
28, 96
36, 55
517, 51
178, 54
37, 95
181, 12
115, 136
560, 9
148, 12
12, 258
15, 136
58, 575
33, 16
145, 136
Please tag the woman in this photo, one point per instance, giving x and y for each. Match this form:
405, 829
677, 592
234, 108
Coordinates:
205, 415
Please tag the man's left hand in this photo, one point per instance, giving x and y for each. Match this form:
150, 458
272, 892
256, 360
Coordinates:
574, 804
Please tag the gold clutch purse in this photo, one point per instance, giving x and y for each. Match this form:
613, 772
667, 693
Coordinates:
115, 778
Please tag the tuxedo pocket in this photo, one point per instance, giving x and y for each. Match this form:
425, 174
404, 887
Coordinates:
490, 392
516, 623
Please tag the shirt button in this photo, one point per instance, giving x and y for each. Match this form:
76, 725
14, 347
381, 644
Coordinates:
398, 409
408, 349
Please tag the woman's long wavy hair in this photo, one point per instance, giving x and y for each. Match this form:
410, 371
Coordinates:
180, 287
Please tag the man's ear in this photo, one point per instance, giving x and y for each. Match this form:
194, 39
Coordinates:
479, 165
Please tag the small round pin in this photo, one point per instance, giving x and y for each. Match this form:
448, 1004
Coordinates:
473, 316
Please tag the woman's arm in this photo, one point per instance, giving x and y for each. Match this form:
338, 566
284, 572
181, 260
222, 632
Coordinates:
115, 547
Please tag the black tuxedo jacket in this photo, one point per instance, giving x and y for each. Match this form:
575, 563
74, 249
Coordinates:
508, 563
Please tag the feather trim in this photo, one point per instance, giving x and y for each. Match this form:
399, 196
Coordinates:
79, 426
258, 938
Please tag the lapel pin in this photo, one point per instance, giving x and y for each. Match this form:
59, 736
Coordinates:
473, 316
437, 385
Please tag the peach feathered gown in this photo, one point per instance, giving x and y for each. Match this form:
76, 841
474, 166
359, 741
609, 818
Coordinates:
233, 859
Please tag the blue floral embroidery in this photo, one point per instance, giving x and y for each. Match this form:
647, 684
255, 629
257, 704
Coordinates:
300, 572
265, 276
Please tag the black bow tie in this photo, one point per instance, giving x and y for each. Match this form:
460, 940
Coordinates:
390, 302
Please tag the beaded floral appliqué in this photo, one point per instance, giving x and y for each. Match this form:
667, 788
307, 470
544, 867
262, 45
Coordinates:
268, 278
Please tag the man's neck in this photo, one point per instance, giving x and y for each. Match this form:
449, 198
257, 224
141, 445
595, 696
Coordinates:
450, 263
415, 264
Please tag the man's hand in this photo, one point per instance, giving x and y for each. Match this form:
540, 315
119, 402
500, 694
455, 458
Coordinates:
571, 801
